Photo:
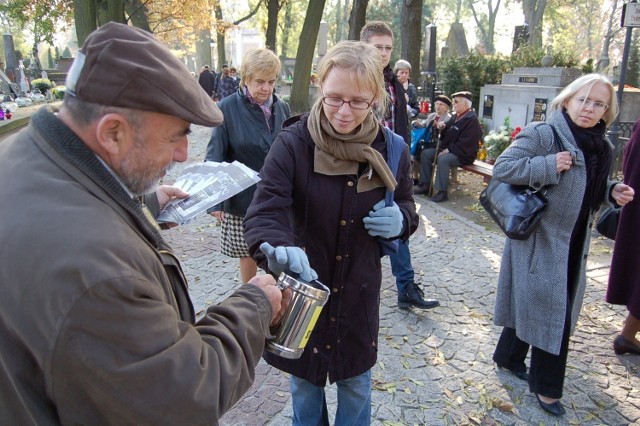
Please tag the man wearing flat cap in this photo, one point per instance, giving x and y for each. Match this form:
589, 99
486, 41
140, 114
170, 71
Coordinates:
441, 115
459, 143
97, 326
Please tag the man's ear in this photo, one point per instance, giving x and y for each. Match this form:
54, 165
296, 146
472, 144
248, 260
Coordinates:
111, 133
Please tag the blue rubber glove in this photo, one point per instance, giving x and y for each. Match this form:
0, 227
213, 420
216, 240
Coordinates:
385, 222
288, 260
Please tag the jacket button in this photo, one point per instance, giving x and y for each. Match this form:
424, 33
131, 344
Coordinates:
335, 289
338, 258
349, 183
343, 222
328, 346
333, 319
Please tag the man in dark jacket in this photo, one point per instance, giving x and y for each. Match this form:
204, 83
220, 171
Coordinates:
459, 145
97, 327
378, 33
207, 80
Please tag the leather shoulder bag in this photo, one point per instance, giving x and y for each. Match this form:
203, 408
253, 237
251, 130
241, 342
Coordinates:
516, 209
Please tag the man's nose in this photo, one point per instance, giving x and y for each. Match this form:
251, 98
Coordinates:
182, 151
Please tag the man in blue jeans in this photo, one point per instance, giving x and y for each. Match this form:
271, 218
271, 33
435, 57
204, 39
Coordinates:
381, 36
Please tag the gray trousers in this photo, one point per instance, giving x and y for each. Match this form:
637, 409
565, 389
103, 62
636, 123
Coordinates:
443, 169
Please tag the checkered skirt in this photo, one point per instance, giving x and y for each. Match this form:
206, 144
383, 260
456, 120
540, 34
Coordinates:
233, 244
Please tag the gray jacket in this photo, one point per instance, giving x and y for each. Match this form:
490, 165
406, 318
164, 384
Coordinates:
532, 289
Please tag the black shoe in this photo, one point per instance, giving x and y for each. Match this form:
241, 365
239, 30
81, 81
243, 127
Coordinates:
414, 297
554, 408
439, 197
522, 375
420, 189
623, 346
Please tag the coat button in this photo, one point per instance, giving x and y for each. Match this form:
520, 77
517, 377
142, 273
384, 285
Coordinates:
335, 289
338, 258
343, 222
349, 183
333, 319
328, 346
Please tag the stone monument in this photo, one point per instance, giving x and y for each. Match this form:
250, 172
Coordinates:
457, 41
524, 95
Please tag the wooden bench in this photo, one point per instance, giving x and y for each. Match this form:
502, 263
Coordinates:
478, 167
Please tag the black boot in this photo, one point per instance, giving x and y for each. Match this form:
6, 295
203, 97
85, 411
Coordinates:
414, 297
439, 197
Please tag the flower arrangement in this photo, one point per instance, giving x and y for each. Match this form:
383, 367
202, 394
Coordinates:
498, 140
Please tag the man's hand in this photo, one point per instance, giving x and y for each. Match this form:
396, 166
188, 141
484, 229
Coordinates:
166, 193
279, 299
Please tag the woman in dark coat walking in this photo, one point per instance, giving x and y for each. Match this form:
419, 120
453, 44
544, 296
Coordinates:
542, 279
253, 117
319, 212
624, 278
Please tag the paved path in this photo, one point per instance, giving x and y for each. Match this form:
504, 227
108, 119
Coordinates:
435, 368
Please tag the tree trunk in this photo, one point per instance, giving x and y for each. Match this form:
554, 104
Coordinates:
138, 14
603, 62
273, 7
110, 10
222, 56
487, 28
85, 16
533, 11
411, 35
300, 89
284, 53
357, 18
203, 49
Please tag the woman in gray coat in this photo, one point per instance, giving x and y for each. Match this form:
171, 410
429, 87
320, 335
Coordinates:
542, 279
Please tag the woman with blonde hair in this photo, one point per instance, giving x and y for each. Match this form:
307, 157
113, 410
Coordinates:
253, 117
542, 279
319, 212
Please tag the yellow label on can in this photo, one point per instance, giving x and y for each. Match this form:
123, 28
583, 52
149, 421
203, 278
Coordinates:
312, 323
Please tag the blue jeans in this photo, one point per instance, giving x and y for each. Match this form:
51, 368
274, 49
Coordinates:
401, 267
354, 402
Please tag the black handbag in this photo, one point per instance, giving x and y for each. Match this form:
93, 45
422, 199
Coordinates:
607, 224
515, 209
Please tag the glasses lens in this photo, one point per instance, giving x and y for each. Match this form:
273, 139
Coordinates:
359, 104
334, 102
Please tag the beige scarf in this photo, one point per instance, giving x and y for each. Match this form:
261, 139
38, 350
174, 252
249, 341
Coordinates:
338, 154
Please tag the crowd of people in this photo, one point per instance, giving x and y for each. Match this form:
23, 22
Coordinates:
100, 328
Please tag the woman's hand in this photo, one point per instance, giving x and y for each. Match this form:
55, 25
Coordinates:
218, 215
563, 161
622, 193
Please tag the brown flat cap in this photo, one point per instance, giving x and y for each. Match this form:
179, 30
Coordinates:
127, 67
467, 95
443, 99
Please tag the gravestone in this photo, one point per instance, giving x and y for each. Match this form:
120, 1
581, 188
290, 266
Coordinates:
430, 50
457, 41
520, 36
524, 95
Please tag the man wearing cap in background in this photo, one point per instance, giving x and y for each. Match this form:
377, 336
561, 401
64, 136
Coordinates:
459, 140
441, 115
96, 325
